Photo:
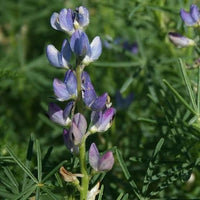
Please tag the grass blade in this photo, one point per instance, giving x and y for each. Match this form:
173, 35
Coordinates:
101, 192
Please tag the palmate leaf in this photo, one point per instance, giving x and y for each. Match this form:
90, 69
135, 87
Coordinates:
21, 165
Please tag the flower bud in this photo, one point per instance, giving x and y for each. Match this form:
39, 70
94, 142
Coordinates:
180, 41
100, 163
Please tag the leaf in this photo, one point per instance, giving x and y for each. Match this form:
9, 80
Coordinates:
101, 192
151, 166
180, 98
126, 172
52, 172
11, 177
39, 161
188, 84
21, 165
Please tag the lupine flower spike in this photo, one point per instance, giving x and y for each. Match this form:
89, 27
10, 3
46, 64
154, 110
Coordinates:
191, 18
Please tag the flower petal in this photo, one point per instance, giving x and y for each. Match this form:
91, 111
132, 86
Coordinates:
60, 90
94, 156
66, 20
75, 134
54, 56
99, 103
80, 122
187, 18
79, 43
194, 12
54, 21
82, 16
71, 82
66, 53
68, 109
55, 114
106, 162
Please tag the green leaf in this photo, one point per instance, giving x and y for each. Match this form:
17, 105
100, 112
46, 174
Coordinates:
151, 166
54, 170
180, 98
21, 165
188, 84
49, 193
39, 161
101, 192
125, 197
120, 196
126, 172
12, 179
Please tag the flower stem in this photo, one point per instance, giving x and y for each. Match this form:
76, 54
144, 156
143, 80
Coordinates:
85, 179
82, 151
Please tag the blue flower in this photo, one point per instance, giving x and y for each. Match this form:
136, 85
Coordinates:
81, 47
79, 43
68, 89
69, 21
180, 41
191, 18
59, 59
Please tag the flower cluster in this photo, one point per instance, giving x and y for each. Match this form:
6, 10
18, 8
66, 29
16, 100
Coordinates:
77, 89
191, 18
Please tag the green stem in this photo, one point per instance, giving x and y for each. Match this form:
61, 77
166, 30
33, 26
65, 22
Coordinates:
82, 150
83, 166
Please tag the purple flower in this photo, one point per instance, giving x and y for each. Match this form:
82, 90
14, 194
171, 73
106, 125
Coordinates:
69, 21
57, 115
59, 59
81, 47
79, 43
89, 95
100, 163
96, 49
102, 120
68, 89
78, 128
180, 41
191, 18
73, 137
122, 103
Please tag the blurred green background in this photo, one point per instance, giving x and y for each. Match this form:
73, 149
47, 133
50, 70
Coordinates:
26, 84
